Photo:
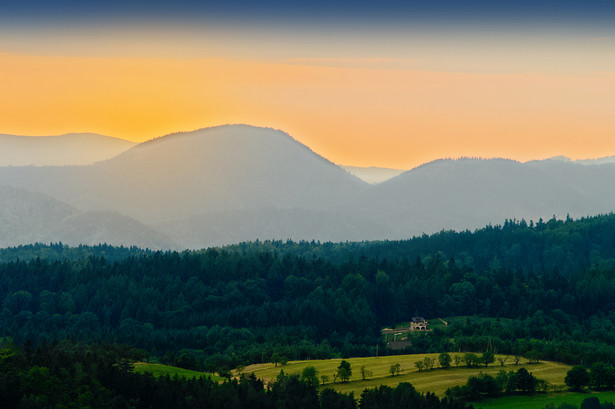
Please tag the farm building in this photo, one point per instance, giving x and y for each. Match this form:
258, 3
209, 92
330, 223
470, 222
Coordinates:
418, 324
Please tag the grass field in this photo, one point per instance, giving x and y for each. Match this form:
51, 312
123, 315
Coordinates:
163, 370
436, 380
539, 401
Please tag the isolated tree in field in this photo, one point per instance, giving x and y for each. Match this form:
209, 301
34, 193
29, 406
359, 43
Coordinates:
275, 358
283, 360
577, 378
344, 371
445, 360
458, 360
310, 376
395, 369
488, 357
365, 373
471, 359
502, 360
324, 379
419, 365
429, 363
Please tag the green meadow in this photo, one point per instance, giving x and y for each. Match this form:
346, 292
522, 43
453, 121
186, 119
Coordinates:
163, 370
436, 380
539, 401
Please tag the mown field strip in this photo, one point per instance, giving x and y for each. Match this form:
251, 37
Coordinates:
163, 370
436, 380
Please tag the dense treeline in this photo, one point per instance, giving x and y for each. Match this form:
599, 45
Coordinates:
599, 377
485, 385
563, 245
58, 251
74, 375
548, 287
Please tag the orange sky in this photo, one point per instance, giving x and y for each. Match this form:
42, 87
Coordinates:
363, 111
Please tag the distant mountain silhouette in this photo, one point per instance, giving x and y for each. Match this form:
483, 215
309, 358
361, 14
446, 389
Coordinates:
194, 175
234, 183
469, 193
27, 217
59, 150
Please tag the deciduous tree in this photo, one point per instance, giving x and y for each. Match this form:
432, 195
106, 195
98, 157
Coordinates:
445, 360
344, 371
577, 378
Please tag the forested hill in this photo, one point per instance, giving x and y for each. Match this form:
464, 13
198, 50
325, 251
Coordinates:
548, 287
564, 245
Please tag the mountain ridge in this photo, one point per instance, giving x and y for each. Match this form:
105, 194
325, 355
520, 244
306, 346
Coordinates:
229, 168
231, 183
71, 149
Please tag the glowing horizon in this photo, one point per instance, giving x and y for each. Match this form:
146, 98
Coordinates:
361, 94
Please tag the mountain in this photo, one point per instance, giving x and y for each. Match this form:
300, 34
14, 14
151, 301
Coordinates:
469, 193
591, 179
596, 161
217, 169
373, 175
59, 150
235, 183
173, 180
30, 217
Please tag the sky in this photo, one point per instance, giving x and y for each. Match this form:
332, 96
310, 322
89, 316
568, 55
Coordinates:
390, 84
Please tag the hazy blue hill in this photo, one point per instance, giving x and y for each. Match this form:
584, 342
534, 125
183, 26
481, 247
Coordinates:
28, 217
59, 150
468, 193
224, 168
236, 183
592, 179
210, 170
